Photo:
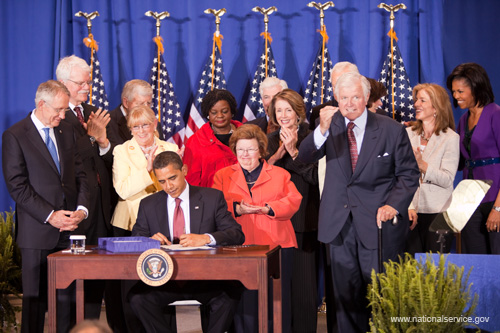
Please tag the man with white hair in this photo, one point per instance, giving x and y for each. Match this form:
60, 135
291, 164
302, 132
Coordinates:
267, 89
337, 70
92, 144
135, 92
371, 176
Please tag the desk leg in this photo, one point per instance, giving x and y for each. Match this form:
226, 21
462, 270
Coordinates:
52, 293
80, 301
277, 305
263, 299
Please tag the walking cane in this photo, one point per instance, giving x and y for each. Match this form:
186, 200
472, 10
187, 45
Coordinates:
380, 258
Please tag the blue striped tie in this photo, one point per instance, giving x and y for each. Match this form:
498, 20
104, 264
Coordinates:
52, 148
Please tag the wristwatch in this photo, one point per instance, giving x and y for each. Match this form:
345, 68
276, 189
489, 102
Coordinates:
497, 208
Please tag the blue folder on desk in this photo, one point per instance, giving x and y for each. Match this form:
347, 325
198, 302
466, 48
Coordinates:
128, 244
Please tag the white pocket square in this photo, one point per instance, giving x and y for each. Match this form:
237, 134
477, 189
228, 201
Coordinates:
385, 154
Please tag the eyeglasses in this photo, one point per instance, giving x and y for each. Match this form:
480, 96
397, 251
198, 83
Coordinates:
82, 83
143, 126
57, 110
249, 150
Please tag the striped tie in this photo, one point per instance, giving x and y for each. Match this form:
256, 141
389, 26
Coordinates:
353, 148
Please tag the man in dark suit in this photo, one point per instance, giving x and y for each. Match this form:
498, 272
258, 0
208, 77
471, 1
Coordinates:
337, 70
267, 89
45, 177
205, 221
89, 124
371, 176
135, 92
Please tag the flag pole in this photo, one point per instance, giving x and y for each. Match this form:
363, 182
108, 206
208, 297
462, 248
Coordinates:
217, 37
159, 43
392, 33
322, 31
91, 43
266, 34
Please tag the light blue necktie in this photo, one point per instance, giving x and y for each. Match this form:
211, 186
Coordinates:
52, 148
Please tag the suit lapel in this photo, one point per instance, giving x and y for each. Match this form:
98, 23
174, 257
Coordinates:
195, 210
369, 144
338, 131
238, 179
162, 215
122, 126
73, 120
34, 137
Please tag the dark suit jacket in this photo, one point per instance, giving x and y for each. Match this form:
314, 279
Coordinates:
117, 129
261, 122
386, 173
305, 178
96, 167
208, 214
35, 184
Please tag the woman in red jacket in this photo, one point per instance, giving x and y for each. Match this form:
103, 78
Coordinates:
207, 151
263, 199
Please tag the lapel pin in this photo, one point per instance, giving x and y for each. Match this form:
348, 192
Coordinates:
196, 207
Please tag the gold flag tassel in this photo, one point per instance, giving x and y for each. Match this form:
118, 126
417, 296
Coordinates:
268, 39
159, 46
393, 36
91, 43
217, 41
325, 40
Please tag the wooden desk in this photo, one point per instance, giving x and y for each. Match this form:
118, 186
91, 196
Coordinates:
251, 267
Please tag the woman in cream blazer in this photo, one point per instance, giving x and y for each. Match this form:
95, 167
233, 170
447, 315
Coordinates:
133, 176
436, 148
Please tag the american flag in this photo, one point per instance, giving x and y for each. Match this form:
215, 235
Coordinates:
196, 120
98, 94
403, 100
312, 95
254, 108
172, 121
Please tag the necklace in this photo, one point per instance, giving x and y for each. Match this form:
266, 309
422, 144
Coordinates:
146, 150
217, 132
424, 138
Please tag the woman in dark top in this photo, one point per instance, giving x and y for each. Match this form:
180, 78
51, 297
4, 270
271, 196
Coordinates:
479, 130
287, 110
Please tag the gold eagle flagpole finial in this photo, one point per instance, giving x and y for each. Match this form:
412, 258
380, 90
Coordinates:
217, 13
266, 13
392, 9
159, 43
322, 8
217, 36
266, 34
158, 17
91, 43
89, 18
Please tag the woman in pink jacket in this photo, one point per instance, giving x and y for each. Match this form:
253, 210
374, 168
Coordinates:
262, 199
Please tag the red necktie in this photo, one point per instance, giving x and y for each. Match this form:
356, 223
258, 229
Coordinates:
353, 148
79, 114
179, 223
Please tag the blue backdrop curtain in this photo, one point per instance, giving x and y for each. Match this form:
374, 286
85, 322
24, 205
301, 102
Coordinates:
434, 37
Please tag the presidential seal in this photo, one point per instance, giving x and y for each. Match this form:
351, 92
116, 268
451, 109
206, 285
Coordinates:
155, 267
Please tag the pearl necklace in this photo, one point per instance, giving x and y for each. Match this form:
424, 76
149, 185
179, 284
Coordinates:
146, 150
